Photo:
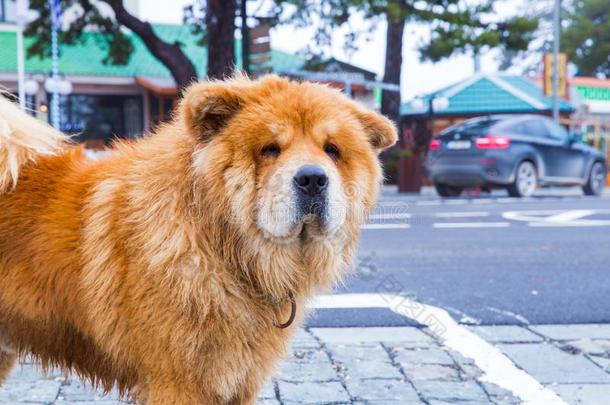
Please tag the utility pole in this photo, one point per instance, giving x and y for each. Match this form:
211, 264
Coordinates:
556, 33
477, 60
22, 13
55, 11
245, 37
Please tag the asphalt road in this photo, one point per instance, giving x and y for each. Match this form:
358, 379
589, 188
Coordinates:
488, 260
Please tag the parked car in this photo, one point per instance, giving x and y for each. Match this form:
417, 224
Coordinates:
516, 152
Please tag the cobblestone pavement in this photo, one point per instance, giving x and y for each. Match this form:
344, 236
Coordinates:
398, 365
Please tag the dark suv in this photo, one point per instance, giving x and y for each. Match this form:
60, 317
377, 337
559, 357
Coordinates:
516, 152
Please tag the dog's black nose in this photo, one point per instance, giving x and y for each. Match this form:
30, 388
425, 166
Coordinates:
311, 180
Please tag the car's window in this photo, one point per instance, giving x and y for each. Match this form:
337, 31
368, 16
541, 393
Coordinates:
535, 127
517, 128
477, 127
556, 132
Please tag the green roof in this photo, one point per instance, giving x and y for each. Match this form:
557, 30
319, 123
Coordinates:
490, 94
86, 58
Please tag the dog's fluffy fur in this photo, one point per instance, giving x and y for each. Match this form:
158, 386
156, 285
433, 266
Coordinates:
163, 269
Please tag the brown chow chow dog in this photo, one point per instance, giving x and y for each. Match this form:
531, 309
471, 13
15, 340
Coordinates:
168, 268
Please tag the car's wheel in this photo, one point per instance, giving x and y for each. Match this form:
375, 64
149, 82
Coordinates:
526, 180
446, 190
596, 180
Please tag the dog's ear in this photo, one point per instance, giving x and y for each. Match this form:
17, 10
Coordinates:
208, 107
379, 129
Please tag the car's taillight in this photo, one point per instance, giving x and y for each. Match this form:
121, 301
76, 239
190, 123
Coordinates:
435, 144
492, 142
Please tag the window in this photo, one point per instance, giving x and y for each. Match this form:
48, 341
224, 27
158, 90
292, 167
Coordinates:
7, 11
160, 108
101, 117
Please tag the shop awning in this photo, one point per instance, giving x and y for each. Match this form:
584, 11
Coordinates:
161, 86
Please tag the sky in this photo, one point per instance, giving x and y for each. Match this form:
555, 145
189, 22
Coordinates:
417, 77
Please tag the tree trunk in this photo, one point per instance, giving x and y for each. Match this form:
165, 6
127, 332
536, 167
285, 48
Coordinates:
390, 100
245, 37
220, 25
409, 165
181, 68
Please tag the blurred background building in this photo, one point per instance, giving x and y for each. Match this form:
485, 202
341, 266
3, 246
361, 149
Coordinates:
108, 101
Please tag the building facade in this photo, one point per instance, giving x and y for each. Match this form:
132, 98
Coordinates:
481, 94
110, 100
591, 98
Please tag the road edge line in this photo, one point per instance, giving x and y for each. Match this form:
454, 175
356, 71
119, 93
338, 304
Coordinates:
497, 368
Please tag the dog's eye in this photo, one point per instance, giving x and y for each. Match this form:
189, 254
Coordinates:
272, 150
332, 151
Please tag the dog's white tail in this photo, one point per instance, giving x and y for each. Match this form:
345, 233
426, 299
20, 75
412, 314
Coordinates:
22, 139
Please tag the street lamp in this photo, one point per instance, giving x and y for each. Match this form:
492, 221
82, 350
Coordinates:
433, 103
57, 85
30, 87
418, 104
440, 103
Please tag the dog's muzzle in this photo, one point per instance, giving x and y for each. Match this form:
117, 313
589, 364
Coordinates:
311, 184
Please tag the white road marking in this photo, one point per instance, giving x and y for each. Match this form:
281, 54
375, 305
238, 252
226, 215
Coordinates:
571, 215
529, 215
457, 225
385, 226
534, 218
464, 317
497, 368
482, 201
588, 222
429, 202
338, 301
456, 202
555, 218
397, 215
510, 314
465, 214
394, 203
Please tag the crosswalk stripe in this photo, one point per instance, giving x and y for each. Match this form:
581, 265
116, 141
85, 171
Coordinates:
400, 215
456, 225
464, 214
385, 226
